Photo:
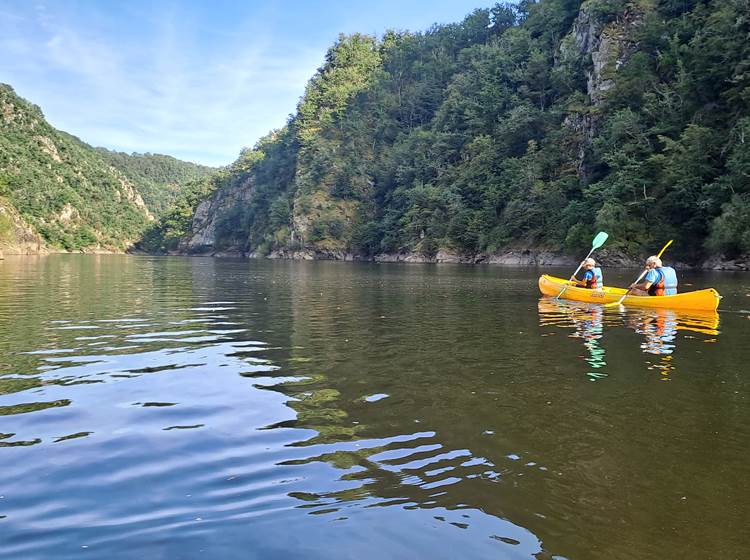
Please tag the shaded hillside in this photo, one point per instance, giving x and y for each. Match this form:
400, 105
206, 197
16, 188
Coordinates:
531, 125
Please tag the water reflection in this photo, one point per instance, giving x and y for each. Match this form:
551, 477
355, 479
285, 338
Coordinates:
659, 328
587, 322
185, 405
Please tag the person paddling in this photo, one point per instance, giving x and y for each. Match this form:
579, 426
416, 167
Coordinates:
592, 276
660, 280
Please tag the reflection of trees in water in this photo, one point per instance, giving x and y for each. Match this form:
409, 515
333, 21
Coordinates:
450, 430
25, 408
316, 409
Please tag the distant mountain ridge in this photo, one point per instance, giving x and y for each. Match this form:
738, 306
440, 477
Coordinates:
57, 192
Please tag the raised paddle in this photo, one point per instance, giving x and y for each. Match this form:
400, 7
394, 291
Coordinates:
598, 241
645, 270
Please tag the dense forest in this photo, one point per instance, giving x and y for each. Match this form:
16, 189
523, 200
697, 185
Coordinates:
525, 125
67, 195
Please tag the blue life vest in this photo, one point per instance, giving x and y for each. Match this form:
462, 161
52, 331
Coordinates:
663, 281
599, 277
593, 278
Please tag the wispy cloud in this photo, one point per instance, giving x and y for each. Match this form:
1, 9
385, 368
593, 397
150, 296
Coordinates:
169, 91
188, 79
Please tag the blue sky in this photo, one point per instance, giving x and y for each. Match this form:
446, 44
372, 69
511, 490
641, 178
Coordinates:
198, 80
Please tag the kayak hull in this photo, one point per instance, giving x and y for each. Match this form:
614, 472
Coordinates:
699, 300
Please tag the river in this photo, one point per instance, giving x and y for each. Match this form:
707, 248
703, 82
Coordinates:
239, 409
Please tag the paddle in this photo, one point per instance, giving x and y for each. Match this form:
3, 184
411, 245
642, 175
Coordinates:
645, 270
598, 241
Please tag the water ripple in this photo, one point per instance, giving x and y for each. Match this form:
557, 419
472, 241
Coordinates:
195, 407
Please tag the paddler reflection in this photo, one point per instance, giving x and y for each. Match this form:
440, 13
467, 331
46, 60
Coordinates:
659, 328
588, 323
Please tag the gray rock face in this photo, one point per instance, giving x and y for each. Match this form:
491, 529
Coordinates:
608, 47
19, 238
203, 231
720, 263
521, 257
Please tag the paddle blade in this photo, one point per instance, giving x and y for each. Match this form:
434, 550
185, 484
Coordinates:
599, 240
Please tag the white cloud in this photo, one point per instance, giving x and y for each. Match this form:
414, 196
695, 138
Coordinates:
191, 80
165, 93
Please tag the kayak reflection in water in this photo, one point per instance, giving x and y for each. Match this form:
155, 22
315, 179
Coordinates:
590, 328
660, 326
588, 322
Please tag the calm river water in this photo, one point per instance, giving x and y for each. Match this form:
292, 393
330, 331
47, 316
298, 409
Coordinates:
240, 409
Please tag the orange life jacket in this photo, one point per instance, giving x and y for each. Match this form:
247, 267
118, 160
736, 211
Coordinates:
659, 288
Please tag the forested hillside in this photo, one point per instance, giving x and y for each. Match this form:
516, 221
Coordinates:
529, 125
160, 179
58, 192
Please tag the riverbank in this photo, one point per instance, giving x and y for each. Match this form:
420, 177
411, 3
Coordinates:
514, 257
33, 246
37, 250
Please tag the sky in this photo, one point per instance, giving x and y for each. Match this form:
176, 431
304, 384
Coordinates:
194, 79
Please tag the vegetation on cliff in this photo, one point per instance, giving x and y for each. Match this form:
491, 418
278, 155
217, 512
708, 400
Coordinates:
72, 195
160, 179
528, 124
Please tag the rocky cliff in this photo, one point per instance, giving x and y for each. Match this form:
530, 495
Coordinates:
510, 137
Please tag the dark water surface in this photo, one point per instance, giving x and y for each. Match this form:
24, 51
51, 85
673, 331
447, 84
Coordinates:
199, 408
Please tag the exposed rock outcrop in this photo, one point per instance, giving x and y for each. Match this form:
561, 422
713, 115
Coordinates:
207, 216
721, 263
16, 236
608, 46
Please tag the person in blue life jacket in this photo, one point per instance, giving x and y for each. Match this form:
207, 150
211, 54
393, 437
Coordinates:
592, 276
660, 280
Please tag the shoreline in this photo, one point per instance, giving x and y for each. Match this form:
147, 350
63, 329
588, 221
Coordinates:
511, 257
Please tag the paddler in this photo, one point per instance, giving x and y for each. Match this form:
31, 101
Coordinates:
660, 280
592, 276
